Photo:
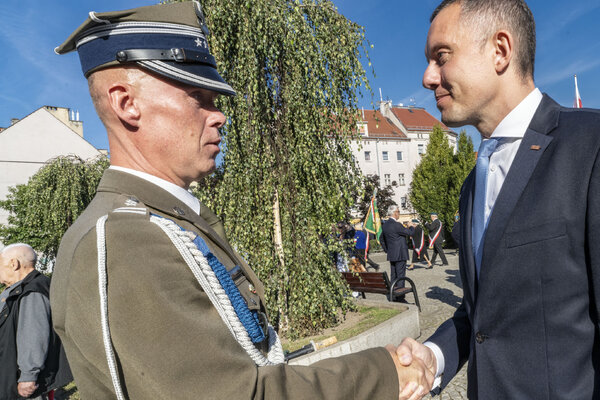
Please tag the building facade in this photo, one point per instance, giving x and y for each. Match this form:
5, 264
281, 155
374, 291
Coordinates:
28, 143
393, 140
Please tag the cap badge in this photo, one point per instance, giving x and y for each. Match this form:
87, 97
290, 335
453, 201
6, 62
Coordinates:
201, 43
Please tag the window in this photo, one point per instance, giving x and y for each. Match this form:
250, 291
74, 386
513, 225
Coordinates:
384, 155
421, 149
387, 180
399, 155
403, 201
367, 156
401, 180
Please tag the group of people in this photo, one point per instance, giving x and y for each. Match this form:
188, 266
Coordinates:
151, 301
395, 239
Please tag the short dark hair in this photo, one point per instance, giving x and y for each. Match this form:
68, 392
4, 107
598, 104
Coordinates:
493, 15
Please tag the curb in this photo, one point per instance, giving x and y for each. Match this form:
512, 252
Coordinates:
391, 331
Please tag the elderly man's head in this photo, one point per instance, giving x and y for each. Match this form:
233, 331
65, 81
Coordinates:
394, 212
16, 262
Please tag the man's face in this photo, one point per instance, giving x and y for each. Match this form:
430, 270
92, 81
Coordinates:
6, 275
460, 71
182, 127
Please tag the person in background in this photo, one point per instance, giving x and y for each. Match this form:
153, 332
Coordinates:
394, 242
436, 238
419, 248
29, 347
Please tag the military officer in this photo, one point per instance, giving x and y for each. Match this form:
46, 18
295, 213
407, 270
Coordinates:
148, 296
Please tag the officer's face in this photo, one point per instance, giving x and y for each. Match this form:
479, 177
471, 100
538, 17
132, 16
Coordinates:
181, 124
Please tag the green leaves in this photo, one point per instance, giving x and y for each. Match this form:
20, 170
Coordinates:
437, 180
43, 209
296, 67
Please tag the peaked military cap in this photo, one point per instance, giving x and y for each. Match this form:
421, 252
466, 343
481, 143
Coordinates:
416, 221
168, 39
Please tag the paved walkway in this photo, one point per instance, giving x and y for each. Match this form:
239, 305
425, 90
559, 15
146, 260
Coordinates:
440, 293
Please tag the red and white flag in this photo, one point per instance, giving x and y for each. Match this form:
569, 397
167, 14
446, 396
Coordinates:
577, 102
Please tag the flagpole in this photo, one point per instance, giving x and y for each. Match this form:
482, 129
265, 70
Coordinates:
577, 103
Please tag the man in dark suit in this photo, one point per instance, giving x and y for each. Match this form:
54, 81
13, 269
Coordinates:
530, 215
436, 238
394, 243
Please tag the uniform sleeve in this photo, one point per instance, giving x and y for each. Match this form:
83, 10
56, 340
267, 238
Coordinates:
33, 335
171, 342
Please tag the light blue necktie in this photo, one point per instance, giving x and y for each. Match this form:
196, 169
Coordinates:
486, 149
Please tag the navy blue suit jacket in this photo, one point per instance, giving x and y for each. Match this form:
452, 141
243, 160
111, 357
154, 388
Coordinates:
393, 240
529, 325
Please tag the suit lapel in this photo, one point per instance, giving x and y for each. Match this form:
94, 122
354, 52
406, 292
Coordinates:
534, 144
466, 247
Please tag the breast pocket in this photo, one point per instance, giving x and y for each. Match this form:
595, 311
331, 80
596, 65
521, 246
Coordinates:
536, 234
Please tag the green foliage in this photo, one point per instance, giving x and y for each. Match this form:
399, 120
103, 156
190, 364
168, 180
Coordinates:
438, 178
296, 68
43, 209
384, 196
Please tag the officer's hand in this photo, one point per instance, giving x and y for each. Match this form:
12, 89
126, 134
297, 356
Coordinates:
26, 389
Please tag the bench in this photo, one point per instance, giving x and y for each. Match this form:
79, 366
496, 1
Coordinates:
378, 282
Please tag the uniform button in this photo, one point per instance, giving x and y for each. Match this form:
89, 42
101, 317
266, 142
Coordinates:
480, 337
178, 210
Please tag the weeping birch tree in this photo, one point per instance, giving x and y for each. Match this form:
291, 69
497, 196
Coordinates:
288, 172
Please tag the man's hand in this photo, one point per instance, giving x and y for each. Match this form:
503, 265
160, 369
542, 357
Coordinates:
26, 389
410, 349
415, 380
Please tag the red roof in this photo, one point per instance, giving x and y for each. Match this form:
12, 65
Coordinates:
415, 118
379, 126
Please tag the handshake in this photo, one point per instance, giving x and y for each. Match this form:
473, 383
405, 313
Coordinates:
416, 366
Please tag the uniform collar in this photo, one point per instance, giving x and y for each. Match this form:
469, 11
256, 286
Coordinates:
177, 191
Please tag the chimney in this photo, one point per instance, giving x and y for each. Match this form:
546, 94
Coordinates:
13, 121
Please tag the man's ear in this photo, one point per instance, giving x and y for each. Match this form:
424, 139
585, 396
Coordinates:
503, 42
15, 264
122, 100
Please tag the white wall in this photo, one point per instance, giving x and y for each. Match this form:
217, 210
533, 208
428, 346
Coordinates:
28, 144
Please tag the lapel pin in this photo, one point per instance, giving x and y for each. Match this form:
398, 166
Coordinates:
535, 147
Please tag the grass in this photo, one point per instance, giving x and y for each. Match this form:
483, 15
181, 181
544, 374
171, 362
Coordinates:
369, 317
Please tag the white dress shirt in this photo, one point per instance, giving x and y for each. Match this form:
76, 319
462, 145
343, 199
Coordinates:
180, 193
509, 133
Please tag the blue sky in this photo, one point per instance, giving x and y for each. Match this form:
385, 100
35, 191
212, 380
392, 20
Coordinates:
31, 75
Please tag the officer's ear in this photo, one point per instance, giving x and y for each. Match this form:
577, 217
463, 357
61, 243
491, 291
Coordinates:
122, 101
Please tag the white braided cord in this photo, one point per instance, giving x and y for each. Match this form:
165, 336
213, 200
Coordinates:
103, 290
183, 241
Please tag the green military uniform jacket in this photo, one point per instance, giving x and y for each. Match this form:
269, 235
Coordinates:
168, 338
